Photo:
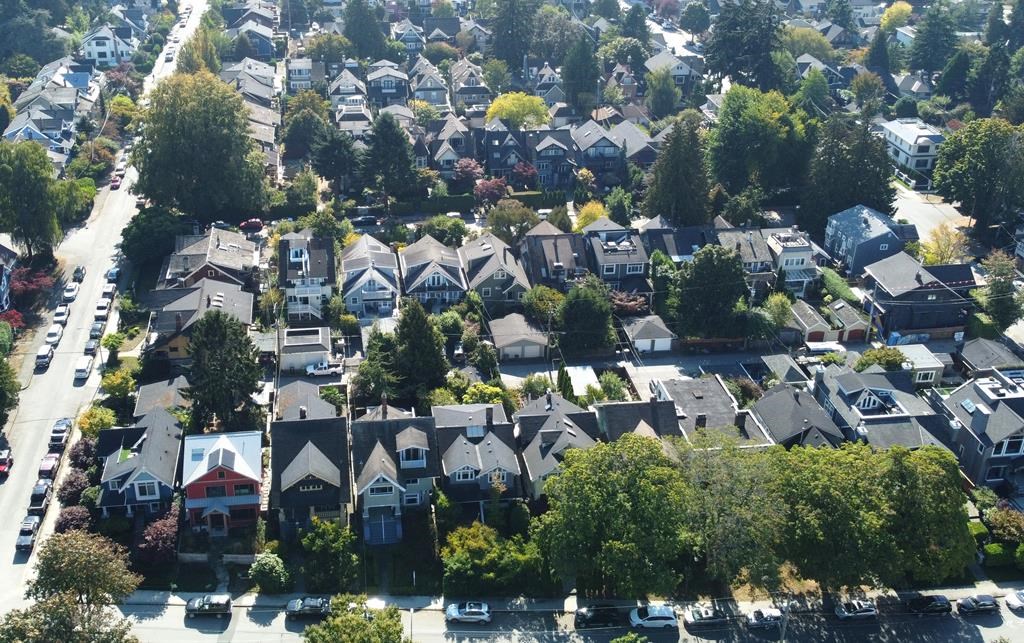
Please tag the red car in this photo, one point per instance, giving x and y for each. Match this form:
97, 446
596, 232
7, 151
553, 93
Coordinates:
6, 462
115, 183
48, 466
251, 225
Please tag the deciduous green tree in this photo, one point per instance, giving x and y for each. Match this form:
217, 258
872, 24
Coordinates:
359, 625
519, 110
225, 370
362, 29
513, 30
61, 618
510, 220
709, 287
27, 205
59, 569
331, 563
662, 94
999, 296
586, 317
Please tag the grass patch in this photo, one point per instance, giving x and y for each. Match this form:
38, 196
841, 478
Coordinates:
980, 324
240, 582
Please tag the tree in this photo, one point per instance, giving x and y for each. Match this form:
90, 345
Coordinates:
480, 393
423, 112
541, 304
118, 384
995, 25
695, 18
225, 369
388, 161
945, 245
307, 100
496, 75
352, 621
613, 386
199, 54
622, 50
331, 563
605, 528
334, 157
678, 184
889, 358
981, 165
580, 75
329, 48
745, 35
513, 30
850, 167
709, 288
779, 309
813, 95
467, 173
524, 176
71, 489
840, 13
519, 110
61, 618
160, 539
445, 229
325, 224
303, 194
510, 220
589, 213
896, 15
243, 47
477, 560
758, 139
27, 208
867, 88
190, 120
72, 518
1015, 28
443, 9
106, 578
559, 218
935, 39
586, 317
662, 93
420, 358
634, 24
436, 52
362, 29
535, 384
805, 40
619, 205
999, 296
96, 419
953, 82
269, 573
301, 133
490, 191
554, 34
989, 79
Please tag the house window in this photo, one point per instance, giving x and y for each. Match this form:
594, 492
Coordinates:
412, 454
608, 269
435, 280
311, 486
411, 499
216, 492
995, 473
635, 269
981, 448
211, 273
498, 475
931, 297
247, 489
465, 475
114, 485
145, 489
923, 149
499, 274
923, 377
220, 475
1010, 446
411, 481
381, 490
354, 300
884, 246
485, 292
154, 506
197, 455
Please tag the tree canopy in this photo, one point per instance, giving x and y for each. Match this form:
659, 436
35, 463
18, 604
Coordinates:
28, 209
519, 110
225, 370
678, 183
741, 45
106, 578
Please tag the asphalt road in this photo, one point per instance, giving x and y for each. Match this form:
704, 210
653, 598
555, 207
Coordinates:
52, 394
160, 623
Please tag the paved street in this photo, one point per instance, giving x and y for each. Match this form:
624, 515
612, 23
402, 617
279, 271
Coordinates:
53, 393
677, 40
926, 211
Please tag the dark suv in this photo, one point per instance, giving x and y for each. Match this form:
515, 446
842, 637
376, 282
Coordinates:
219, 604
597, 616
929, 605
40, 498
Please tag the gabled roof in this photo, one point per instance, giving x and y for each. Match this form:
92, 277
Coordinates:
548, 427
162, 395
983, 353
368, 258
648, 327
652, 418
151, 445
590, 133
426, 257
346, 79
375, 447
300, 394
464, 415
513, 329
486, 454
861, 223
179, 308
901, 273
310, 461
240, 452
793, 417
386, 72
486, 254
223, 249
378, 464
603, 224
749, 244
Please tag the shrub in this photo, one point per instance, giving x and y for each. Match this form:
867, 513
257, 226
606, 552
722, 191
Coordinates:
984, 499
999, 555
889, 358
96, 419
979, 531
70, 492
113, 527
90, 497
837, 286
83, 454
1007, 525
74, 517
981, 325
1018, 558
160, 539
833, 358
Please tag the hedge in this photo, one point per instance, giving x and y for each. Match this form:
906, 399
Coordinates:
999, 555
1018, 558
435, 205
979, 531
837, 286
539, 200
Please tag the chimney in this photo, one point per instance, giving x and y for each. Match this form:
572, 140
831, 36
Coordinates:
741, 421
207, 301
701, 421
548, 406
489, 414
384, 406
819, 375
302, 413
177, 322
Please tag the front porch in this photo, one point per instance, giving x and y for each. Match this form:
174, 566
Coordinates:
382, 526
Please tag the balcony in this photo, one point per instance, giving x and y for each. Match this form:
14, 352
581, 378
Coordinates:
303, 309
308, 291
377, 295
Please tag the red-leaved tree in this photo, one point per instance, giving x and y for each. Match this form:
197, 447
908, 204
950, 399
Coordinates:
160, 539
75, 517
13, 318
491, 191
467, 173
524, 176
28, 284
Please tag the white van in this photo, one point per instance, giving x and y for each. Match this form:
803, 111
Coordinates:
83, 367
44, 356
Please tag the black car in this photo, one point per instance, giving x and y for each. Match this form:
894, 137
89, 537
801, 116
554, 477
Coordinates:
977, 604
79, 274
96, 330
219, 604
40, 498
308, 606
27, 533
365, 221
597, 616
929, 605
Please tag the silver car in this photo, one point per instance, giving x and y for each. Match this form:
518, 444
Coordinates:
468, 613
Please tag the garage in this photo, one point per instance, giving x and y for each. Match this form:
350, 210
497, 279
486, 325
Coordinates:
516, 339
816, 336
855, 336
648, 334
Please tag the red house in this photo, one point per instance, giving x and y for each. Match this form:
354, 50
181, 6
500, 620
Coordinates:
221, 477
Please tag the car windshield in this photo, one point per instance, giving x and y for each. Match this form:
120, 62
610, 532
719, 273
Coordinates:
643, 612
26, 528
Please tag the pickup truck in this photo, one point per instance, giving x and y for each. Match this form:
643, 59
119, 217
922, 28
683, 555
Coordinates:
325, 368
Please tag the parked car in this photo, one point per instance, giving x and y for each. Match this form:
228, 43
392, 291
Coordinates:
96, 330
92, 346
27, 533
977, 604
763, 619
702, 616
83, 367
57, 442
597, 616
63, 425
325, 368
6, 462
856, 609
121, 168
40, 498
61, 314
49, 465
44, 356
1015, 600
221, 225
308, 606
251, 225
219, 604
102, 310
936, 604
113, 273
109, 290
653, 616
71, 291
79, 274
54, 334
115, 183
468, 613
364, 221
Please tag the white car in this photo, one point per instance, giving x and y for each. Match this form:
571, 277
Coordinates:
856, 609
467, 613
1015, 600
102, 310
61, 314
54, 334
71, 292
653, 617
764, 618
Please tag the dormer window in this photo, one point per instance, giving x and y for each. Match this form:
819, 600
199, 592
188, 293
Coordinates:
499, 274
465, 475
296, 255
435, 280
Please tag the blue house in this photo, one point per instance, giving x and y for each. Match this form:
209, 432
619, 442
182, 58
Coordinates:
859, 236
260, 36
139, 465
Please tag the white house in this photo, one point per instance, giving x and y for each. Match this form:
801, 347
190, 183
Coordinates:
106, 46
912, 143
370, 281
648, 334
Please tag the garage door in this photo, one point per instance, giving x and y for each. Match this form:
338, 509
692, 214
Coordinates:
855, 336
512, 353
816, 336
531, 352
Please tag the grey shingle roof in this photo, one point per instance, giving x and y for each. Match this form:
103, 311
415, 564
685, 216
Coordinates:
648, 327
986, 353
486, 254
153, 444
492, 451
793, 417
750, 244
463, 415
190, 304
312, 447
165, 394
901, 273
514, 328
302, 394
320, 258
702, 396
427, 256
618, 418
375, 449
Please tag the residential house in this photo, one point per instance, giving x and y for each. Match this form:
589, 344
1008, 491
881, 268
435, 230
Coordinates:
515, 337
307, 274
986, 426
755, 255
221, 476
680, 244
216, 255
139, 465
549, 87
394, 462
311, 475
253, 79
648, 334
107, 46
546, 428
432, 272
178, 309
162, 395
877, 406
914, 85
599, 151
493, 271
301, 347
501, 149
706, 405
386, 85
8, 260
553, 258
683, 75
907, 298
478, 452
481, 35
653, 418
449, 139
410, 35
860, 236
784, 369
468, 86
346, 89
850, 323
354, 119
980, 354
812, 326
554, 157
304, 73
135, 18
641, 149
806, 62
622, 78
924, 367
438, 29
370, 282
617, 256
912, 143
430, 87
260, 36
792, 255
793, 418
562, 114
